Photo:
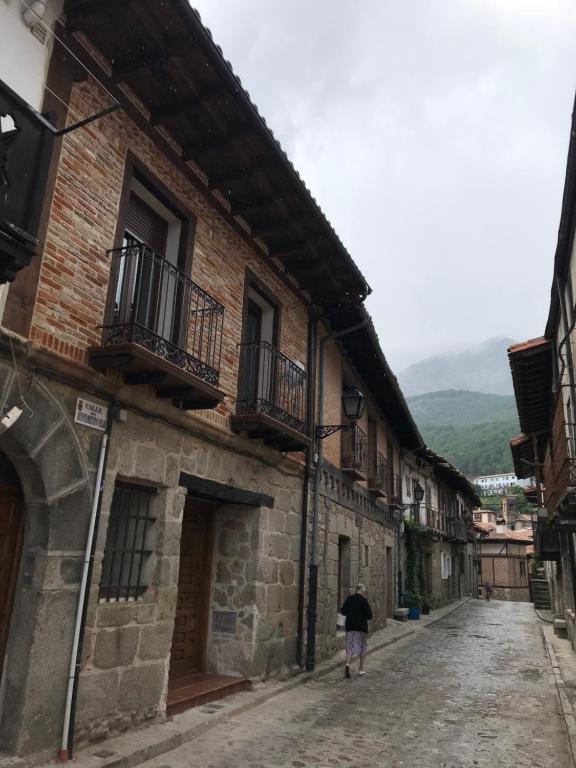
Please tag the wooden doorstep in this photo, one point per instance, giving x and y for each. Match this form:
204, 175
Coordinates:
201, 688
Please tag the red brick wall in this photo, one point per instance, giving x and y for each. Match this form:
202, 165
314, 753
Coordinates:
75, 269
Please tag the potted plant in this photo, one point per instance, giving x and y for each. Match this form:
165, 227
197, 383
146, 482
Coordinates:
413, 603
425, 607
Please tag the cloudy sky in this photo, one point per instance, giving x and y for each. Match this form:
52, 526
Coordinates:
434, 134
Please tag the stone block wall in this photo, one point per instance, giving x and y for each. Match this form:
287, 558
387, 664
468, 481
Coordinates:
255, 589
254, 575
348, 514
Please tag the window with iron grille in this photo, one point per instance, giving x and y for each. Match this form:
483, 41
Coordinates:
127, 554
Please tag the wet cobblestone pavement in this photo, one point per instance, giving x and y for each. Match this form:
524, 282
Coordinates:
474, 689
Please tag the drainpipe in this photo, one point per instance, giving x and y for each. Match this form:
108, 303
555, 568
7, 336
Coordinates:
313, 569
312, 338
66, 751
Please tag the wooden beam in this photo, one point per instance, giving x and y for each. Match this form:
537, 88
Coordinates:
183, 106
291, 252
253, 204
80, 13
216, 143
171, 48
220, 180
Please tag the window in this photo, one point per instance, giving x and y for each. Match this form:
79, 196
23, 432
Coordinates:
125, 568
366, 555
522, 568
446, 563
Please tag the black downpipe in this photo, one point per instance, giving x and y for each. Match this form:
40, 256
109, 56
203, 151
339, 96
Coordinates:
312, 337
111, 413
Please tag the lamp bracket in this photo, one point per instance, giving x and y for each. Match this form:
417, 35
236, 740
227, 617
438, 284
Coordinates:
329, 429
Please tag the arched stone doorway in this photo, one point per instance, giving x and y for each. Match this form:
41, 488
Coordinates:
52, 471
11, 530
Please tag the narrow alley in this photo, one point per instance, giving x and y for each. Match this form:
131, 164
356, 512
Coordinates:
470, 690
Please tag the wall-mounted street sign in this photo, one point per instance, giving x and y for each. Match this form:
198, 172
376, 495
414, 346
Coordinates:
91, 414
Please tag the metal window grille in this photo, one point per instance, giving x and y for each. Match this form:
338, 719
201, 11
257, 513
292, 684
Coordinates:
127, 543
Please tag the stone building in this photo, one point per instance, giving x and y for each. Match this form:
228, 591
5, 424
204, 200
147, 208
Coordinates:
160, 367
438, 504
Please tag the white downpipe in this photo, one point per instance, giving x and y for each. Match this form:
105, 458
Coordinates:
63, 754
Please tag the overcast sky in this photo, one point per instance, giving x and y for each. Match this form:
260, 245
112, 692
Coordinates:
434, 134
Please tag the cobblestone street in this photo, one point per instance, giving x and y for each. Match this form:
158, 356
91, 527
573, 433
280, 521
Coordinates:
474, 689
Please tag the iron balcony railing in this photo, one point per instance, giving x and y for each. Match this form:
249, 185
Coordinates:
354, 450
546, 540
378, 474
457, 529
156, 306
272, 384
560, 461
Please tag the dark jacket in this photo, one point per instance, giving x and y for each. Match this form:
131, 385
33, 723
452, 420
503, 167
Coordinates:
358, 613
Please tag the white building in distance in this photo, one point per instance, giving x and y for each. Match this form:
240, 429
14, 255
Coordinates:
494, 484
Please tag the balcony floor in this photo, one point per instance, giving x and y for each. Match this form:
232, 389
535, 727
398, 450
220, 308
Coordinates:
260, 426
140, 366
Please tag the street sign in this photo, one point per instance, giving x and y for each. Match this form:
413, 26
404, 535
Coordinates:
91, 414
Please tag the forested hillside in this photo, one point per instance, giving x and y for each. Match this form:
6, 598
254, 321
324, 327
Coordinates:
458, 407
476, 449
470, 429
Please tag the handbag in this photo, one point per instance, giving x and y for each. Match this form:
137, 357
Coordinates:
340, 620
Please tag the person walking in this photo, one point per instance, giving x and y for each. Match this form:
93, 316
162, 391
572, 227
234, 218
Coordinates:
358, 613
488, 590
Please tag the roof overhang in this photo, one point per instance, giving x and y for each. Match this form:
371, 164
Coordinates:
522, 449
363, 351
156, 55
450, 475
531, 366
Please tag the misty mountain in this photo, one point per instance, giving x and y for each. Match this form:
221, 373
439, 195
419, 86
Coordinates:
482, 368
457, 408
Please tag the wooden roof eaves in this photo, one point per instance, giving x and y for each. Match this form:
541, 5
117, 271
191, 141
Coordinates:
139, 118
181, 11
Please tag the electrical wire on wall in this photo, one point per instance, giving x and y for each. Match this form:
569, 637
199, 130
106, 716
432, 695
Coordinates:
33, 17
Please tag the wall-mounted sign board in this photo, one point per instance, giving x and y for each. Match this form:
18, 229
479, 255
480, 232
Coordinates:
91, 414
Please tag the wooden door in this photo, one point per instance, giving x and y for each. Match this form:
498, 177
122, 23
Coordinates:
191, 622
10, 544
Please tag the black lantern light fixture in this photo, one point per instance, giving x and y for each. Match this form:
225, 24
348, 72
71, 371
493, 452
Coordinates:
418, 493
353, 405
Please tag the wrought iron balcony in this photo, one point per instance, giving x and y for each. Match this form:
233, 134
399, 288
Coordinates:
457, 530
272, 401
378, 475
546, 541
26, 140
161, 329
354, 453
560, 461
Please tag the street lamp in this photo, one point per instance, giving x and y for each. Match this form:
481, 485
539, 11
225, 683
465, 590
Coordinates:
353, 405
419, 493
418, 497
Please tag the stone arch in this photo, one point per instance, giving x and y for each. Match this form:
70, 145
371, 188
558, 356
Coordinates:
54, 475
